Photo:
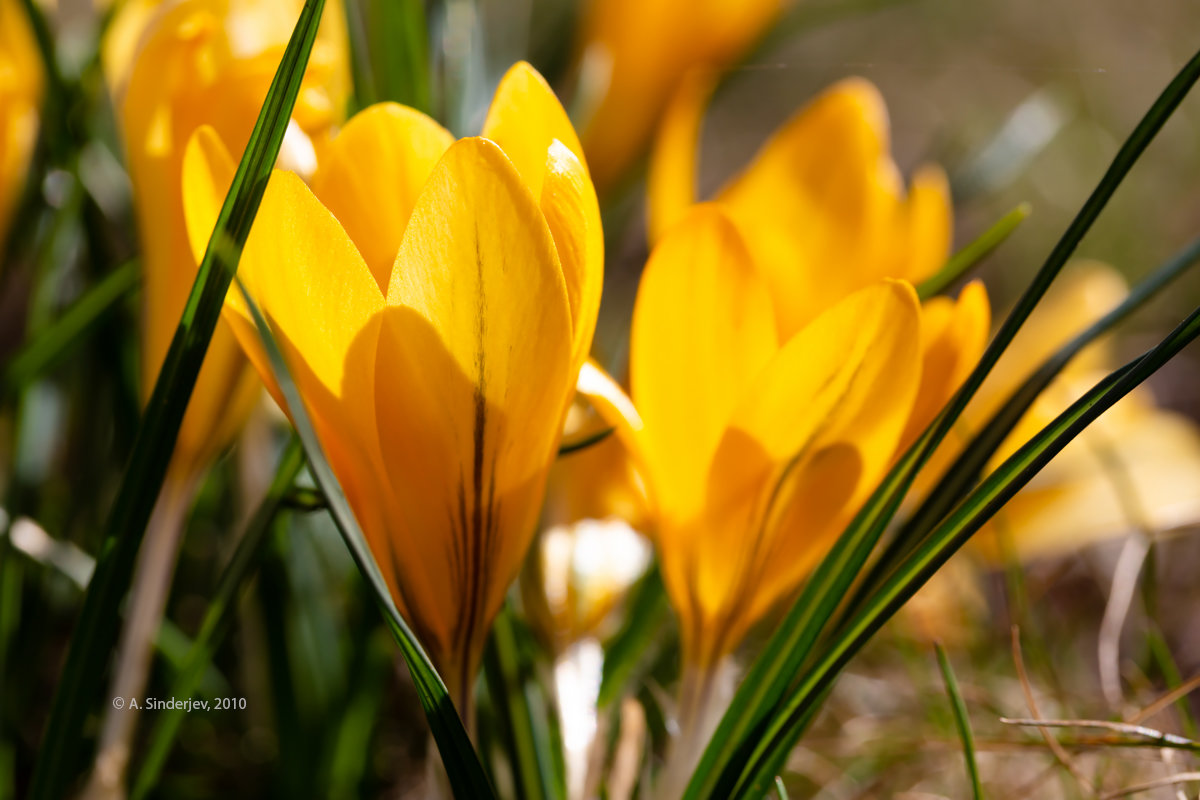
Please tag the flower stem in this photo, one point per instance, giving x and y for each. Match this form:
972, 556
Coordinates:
704, 692
147, 601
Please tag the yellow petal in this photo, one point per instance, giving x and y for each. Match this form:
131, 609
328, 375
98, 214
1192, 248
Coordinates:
303, 271
817, 431
524, 118
926, 227
817, 205
636, 54
568, 202
702, 330
370, 176
322, 304
674, 162
613, 405
954, 334
473, 379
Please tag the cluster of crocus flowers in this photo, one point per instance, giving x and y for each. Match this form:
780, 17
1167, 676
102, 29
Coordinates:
20, 100
635, 53
175, 67
434, 300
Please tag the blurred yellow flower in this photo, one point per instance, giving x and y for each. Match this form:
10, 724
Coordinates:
434, 300
634, 54
823, 209
179, 66
1135, 469
756, 448
779, 357
20, 100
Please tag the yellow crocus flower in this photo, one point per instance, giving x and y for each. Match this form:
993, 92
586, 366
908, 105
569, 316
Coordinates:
812, 251
20, 99
434, 300
193, 63
756, 448
634, 55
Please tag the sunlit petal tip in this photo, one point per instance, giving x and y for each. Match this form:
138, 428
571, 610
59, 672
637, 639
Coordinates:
609, 399
974, 304
572, 212
861, 99
954, 333
524, 118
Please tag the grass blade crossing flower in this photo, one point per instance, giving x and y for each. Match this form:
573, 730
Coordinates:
196, 62
438, 376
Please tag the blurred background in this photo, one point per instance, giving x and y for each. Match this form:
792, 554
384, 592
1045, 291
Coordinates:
1020, 100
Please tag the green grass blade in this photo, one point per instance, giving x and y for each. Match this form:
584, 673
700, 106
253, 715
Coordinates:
366, 91
788, 723
77, 567
217, 617
771, 674
57, 339
961, 720
780, 789
525, 731
96, 631
969, 466
467, 777
351, 757
965, 259
402, 52
630, 648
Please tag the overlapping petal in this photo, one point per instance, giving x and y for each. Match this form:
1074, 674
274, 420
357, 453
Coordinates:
702, 330
322, 303
473, 368
371, 174
954, 333
815, 432
530, 125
